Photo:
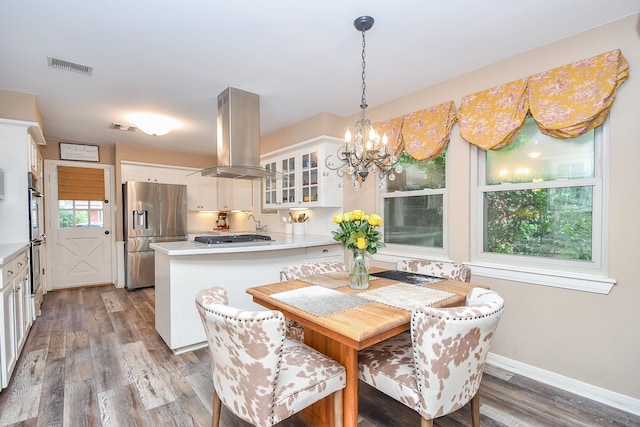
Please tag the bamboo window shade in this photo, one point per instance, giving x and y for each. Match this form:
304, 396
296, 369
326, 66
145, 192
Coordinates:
80, 183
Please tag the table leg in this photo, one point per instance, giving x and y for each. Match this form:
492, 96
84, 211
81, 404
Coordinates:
320, 413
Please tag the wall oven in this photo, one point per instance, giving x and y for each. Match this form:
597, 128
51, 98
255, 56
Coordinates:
36, 237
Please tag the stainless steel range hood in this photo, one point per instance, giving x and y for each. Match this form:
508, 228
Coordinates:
238, 147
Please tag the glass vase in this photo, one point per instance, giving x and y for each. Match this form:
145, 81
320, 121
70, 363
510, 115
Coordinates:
359, 270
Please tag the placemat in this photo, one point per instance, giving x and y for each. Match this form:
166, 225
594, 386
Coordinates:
409, 277
319, 301
331, 280
405, 296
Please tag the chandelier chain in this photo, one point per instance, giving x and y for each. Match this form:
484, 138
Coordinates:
363, 105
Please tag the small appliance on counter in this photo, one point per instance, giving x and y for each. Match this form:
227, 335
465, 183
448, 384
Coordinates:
222, 222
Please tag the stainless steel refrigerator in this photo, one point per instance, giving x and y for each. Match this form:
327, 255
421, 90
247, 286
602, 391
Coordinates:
152, 213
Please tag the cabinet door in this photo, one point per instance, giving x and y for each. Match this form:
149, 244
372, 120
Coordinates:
202, 193
288, 181
309, 178
235, 194
20, 314
270, 186
161, 175
9, 349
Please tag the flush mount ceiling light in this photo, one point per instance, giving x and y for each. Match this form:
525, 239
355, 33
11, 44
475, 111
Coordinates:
153, 124
123, 127
364, 149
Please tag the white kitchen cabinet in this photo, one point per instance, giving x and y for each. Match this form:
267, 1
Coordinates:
15, 160
235, 194
202, 192
302, 177
16, 317
153, 173
35, 160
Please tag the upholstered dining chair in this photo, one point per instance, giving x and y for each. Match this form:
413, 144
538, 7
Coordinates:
294, 329
258, 374
445, 270
436, 368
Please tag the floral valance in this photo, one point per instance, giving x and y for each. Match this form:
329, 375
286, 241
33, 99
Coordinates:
425, 133
491, 119
565, 102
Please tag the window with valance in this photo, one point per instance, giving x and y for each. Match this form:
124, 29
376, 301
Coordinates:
565, 102
414, 202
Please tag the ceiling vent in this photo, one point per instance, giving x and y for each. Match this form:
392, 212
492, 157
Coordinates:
69, 66
123, 127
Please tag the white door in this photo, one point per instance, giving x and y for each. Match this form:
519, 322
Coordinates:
79, 233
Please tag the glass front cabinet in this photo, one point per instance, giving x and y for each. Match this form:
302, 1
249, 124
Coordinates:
302, 179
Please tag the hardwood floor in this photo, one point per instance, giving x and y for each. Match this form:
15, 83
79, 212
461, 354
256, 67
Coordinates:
93, 358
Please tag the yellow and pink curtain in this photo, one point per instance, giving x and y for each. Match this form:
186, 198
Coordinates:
425, 133
565, 102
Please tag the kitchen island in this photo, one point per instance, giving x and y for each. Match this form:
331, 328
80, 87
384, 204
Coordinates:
184, 268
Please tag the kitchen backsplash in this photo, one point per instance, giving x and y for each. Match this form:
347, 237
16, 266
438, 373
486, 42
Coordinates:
319, 221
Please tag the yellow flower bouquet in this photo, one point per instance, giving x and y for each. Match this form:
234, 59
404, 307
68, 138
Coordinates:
357, 230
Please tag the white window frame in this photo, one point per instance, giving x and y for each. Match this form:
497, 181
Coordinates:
394, 252
589, 276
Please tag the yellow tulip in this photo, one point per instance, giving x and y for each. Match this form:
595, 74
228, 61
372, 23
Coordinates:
346, 217
361, 243
357, 214
375, 220
338, 218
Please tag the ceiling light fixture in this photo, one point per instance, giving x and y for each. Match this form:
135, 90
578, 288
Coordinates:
364, 150
153, 124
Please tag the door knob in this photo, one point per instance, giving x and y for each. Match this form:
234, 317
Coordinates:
106, 232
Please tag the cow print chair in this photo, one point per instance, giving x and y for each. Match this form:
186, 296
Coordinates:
446, 270
436, 367
258, 374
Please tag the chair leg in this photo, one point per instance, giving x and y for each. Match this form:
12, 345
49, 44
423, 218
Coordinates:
425, 423
475, 410
338, 413
217, 406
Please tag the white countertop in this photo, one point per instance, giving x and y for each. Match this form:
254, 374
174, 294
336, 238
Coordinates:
9, 250
280, 241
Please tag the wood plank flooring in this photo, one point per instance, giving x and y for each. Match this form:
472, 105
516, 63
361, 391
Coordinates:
93, 358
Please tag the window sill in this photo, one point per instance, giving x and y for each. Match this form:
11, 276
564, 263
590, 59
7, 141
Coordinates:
579, 282
398, 252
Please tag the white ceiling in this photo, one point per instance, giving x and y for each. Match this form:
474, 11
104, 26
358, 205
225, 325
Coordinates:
301, 57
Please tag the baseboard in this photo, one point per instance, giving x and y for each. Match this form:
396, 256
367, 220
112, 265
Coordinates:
604, 396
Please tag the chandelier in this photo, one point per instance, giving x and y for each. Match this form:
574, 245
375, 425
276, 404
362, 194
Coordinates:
365, 150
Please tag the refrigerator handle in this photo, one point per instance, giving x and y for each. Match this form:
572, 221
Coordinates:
140, 220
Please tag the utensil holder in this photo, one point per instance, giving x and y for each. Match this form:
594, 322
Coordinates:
298, 228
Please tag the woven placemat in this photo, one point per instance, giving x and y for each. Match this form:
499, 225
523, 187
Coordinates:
319, 301
331, 280
405, 296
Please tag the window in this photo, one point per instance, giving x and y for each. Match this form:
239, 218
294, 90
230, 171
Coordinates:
414, 203
80, 213
540, 203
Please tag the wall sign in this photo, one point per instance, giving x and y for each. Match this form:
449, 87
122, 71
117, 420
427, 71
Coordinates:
80, 152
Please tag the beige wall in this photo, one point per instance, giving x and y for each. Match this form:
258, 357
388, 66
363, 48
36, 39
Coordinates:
587, 337
20, 106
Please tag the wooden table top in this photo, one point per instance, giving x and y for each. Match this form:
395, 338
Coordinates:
361, 326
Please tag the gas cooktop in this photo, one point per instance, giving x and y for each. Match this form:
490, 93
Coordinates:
232, 238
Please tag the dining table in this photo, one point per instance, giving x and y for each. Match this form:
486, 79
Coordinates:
339, 321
